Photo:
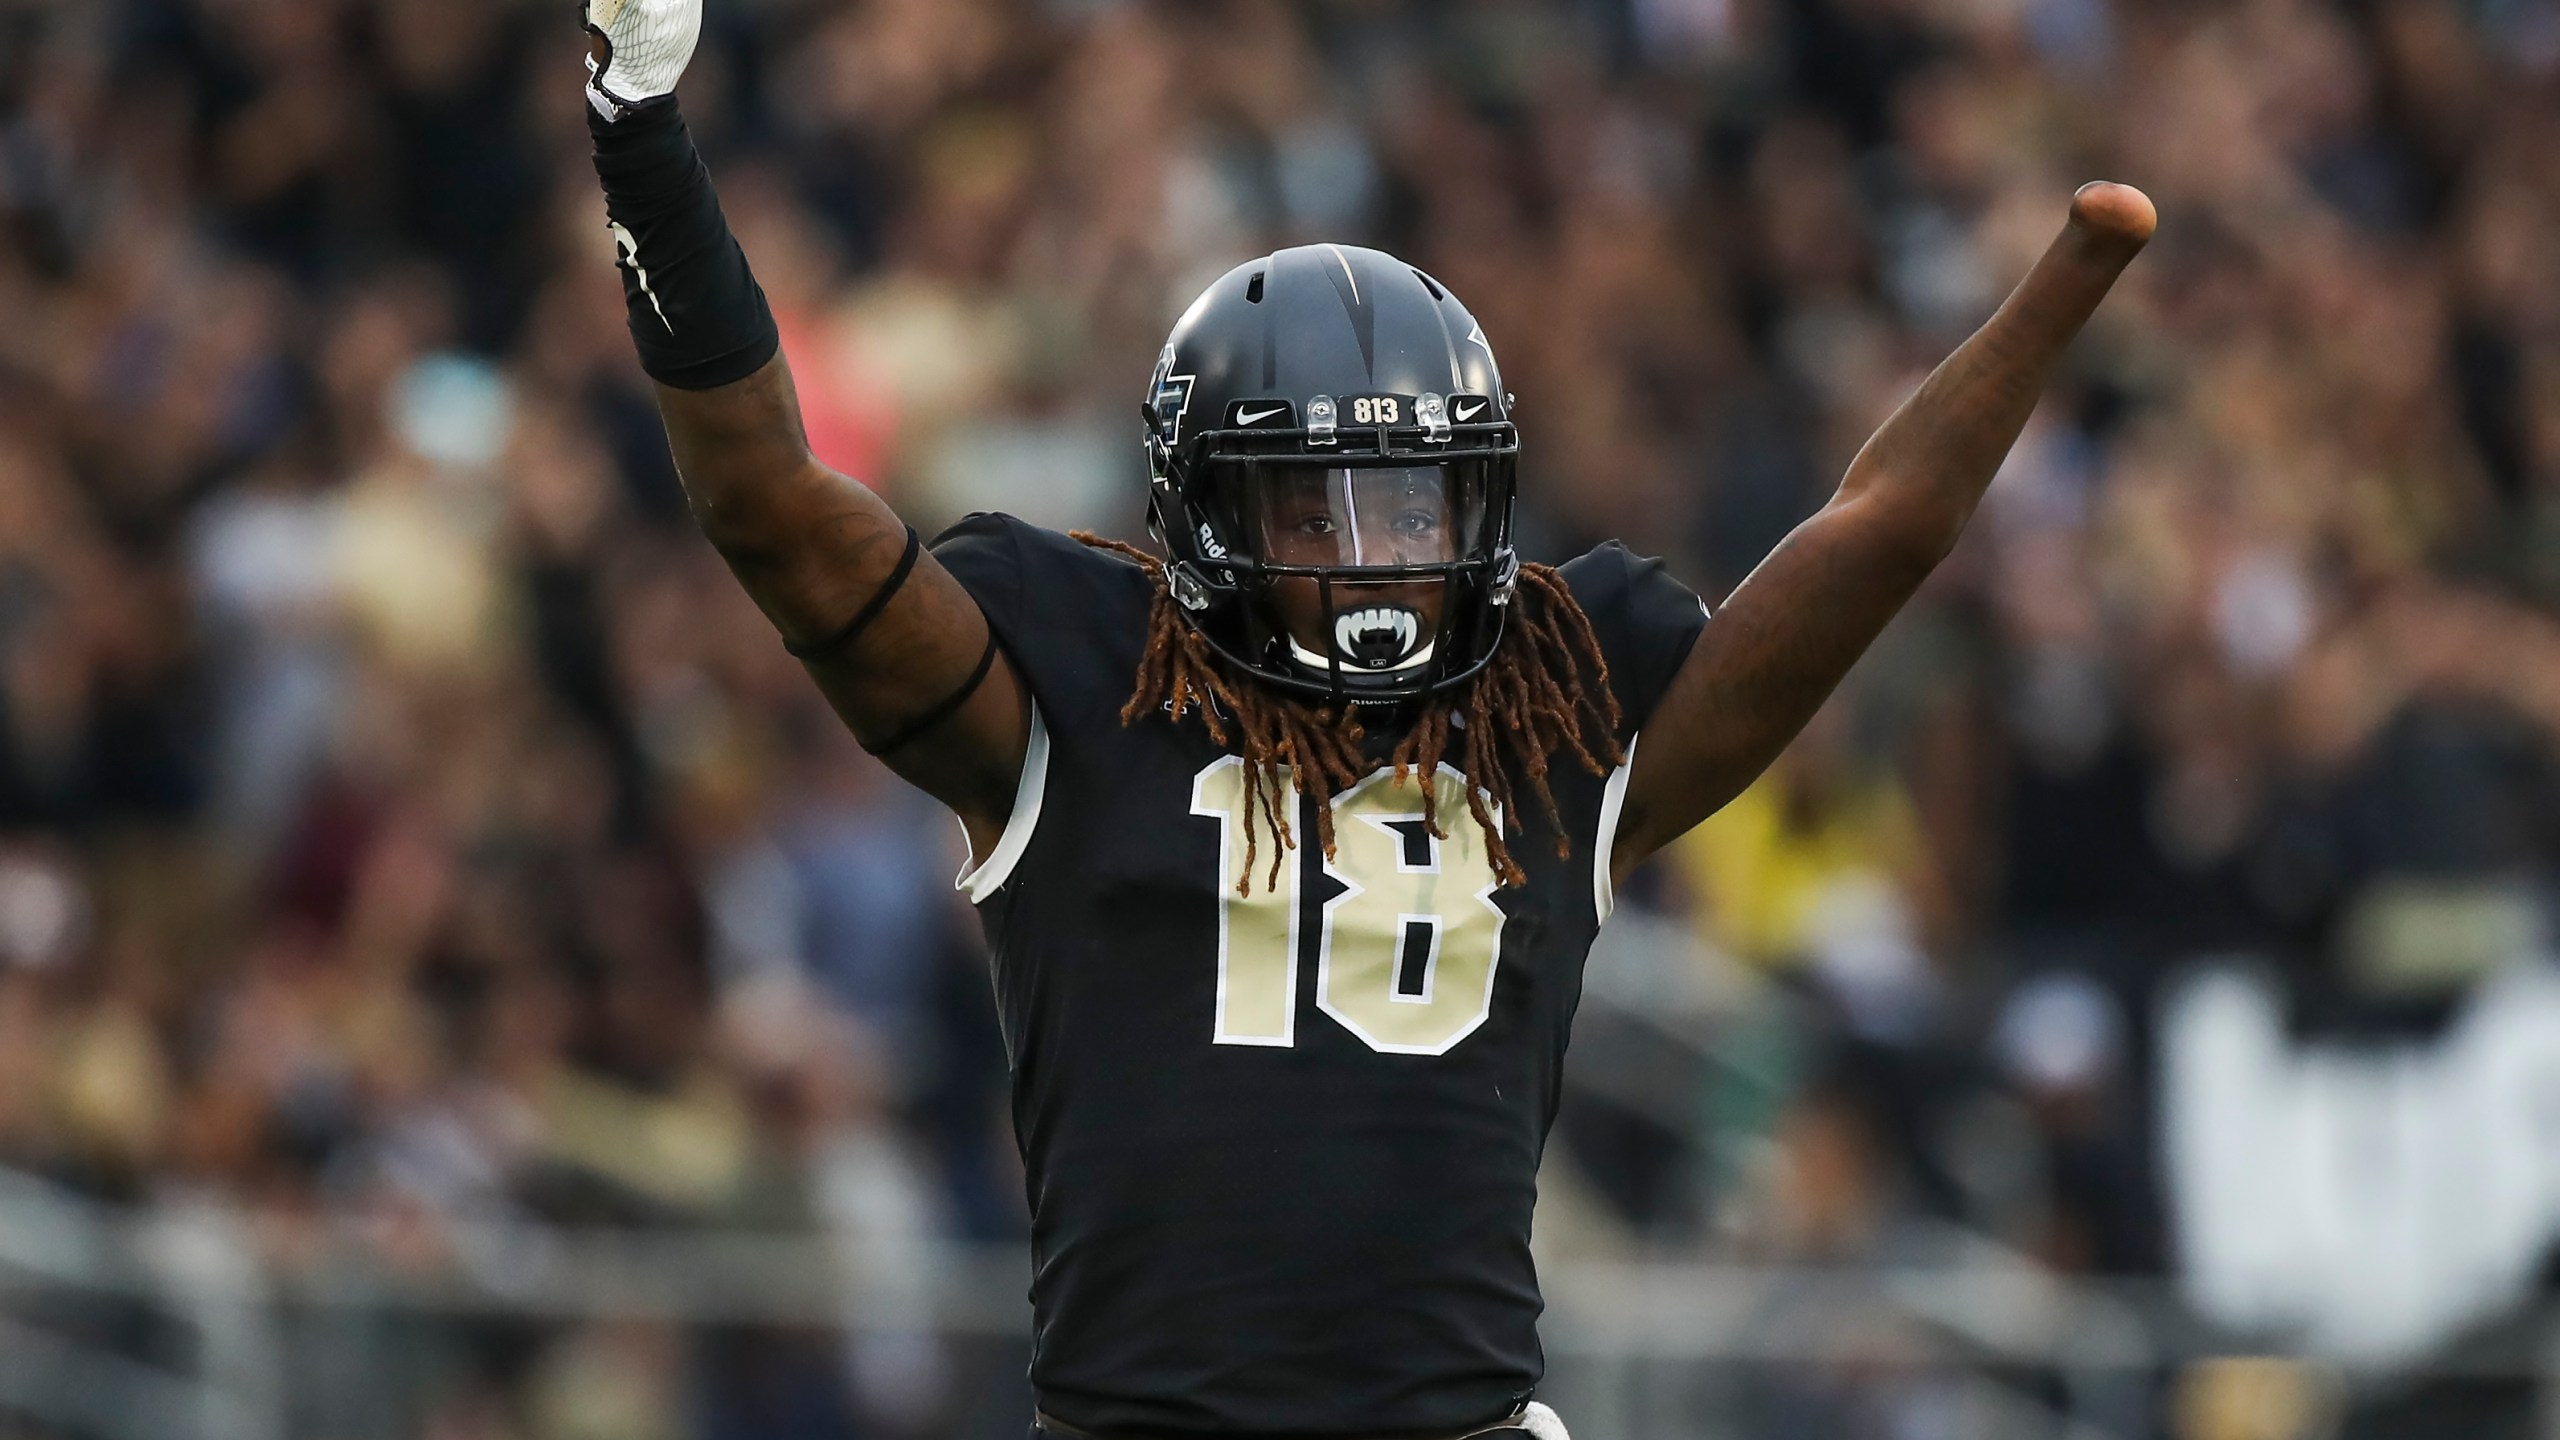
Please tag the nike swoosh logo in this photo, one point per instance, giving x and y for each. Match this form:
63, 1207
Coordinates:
1256, 417
1467, 410
624, 241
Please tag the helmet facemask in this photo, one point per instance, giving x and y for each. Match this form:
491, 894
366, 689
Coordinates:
1364, 578
1360, 565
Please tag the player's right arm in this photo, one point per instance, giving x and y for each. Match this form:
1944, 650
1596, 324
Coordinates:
900, 649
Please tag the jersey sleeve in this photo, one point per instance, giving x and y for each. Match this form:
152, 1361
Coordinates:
1646, 623
983, 555
1072, 619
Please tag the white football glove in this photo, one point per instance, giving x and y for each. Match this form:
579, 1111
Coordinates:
1543, 1423
647, 44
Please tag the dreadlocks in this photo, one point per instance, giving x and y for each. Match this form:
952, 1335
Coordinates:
1545, 691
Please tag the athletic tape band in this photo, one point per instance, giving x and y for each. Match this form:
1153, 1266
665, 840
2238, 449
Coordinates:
852, 629
949, 705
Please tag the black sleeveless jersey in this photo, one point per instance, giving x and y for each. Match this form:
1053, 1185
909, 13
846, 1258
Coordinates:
1282, 1148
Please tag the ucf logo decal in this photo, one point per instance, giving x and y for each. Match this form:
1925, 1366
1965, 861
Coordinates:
1169, 398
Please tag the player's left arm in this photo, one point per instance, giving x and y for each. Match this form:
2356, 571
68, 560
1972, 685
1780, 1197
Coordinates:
1786, 636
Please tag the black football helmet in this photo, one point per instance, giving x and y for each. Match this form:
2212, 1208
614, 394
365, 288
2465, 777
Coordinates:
1332, 414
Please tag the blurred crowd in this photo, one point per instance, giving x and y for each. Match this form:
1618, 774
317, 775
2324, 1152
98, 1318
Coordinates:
405, 821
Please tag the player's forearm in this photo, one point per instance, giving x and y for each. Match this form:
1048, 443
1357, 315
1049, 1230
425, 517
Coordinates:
697, 317
799, 536
1925, 471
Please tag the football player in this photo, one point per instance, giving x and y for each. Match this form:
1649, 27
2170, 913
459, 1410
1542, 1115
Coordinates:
1288, 844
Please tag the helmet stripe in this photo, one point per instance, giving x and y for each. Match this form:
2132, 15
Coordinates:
1363, 313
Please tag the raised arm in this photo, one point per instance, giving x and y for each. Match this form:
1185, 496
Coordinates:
1792, 630
899, 648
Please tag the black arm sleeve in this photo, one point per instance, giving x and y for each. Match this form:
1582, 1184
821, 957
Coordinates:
697, 315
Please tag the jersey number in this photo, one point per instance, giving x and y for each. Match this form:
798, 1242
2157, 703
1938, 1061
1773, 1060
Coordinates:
1405, 954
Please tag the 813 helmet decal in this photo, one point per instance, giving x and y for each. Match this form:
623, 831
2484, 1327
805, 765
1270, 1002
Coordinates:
1333, 467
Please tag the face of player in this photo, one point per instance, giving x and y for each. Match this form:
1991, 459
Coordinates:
1355, 520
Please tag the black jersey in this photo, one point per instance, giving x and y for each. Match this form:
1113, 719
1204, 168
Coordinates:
1282, 1148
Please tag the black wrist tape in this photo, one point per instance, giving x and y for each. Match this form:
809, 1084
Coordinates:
697, 315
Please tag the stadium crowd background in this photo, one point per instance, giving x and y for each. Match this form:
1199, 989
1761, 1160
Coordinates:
403, 817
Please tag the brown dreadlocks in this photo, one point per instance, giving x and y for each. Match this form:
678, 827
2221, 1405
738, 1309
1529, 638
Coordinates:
1546, 690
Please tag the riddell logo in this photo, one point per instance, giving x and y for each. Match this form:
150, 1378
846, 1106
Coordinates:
1209, 545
